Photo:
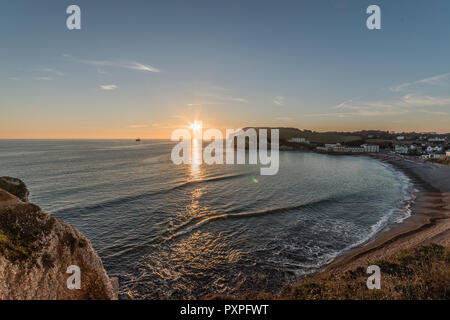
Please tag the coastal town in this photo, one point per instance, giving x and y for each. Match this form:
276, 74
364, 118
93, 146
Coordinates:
426, 146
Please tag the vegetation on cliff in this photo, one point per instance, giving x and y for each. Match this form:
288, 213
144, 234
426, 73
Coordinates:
36, 249
420, 273
413, 274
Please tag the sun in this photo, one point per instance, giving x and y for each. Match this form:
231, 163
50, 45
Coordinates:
196, 125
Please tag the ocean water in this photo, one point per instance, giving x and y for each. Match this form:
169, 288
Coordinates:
172, 232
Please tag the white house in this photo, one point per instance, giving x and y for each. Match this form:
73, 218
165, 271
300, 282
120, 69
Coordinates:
337, 147
400, 138
298, 140
436, 139
437, 156
434, 149
401, 149
332, 145
371, 148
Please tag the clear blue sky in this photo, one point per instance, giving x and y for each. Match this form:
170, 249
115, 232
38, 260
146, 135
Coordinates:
143, 68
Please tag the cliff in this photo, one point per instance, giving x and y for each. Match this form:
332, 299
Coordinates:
36, 249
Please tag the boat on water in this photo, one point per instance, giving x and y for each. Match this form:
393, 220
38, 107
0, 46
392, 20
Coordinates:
138, 139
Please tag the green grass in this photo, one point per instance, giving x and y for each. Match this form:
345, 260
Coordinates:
422, 273
444, 161
416, 274
313, 137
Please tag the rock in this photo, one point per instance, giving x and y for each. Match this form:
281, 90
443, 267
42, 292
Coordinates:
36, 249
15, 187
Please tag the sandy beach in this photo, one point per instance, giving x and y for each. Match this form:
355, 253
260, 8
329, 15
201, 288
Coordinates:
428, 225
429, 221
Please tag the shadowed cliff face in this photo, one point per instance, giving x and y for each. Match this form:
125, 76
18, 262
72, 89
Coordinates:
36, 249
15, 187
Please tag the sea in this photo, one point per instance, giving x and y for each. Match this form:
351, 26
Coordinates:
186, 231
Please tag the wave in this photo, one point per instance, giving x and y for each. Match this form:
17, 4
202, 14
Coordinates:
212, 179
19, 153
132, 146
247, 214
143, 195
408, 197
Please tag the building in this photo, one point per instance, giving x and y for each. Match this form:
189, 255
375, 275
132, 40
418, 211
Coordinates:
434, 149
371, 148
298, 140
337, 147
437, 156
436, 139
401, 149
332, 145
355, 149
400, 138
447, 153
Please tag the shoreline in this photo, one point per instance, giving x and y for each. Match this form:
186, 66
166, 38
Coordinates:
428, 223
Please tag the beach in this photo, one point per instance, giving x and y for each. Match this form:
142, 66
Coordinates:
147, 218
429, 221
412, 255
417, 245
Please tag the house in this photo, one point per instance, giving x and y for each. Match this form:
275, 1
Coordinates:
354, 149
401, 149
434, 149
400, 138
447, 153
414, 148
370, 148
332, 145
436, 139
337, 147
298, 140
438, 156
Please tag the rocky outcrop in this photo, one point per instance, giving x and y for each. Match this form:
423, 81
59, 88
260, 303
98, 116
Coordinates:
15, 187
36, 249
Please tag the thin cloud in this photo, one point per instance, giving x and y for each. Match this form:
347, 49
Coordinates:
436, 113
43, 78
134, 126
218, 95
126, 64
278, 100
413, 100
434, 80
100, 71
343, 104
237, 99
109, 87
395, 106
50, 71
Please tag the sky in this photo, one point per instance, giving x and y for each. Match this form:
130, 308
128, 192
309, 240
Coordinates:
146, 68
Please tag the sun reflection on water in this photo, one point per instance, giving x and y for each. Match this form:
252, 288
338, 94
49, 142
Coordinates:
197, 171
